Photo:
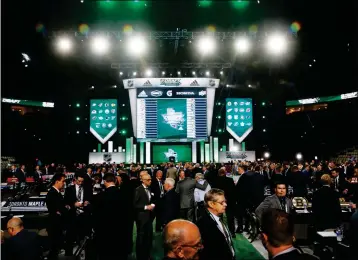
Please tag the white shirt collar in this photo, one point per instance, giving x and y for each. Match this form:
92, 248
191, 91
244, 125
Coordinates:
144, 186
56, 189
285, 251
217, 219
111, 185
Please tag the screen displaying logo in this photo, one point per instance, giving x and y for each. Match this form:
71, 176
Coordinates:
170, 82
202, 93
142, 94
170, 153
194, 84
156, 93
169, 93
130, 83
147, 84
211, 82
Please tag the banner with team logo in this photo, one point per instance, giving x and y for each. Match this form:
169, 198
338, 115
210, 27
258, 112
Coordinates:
170, 82
171, 93
103, 118
239, 120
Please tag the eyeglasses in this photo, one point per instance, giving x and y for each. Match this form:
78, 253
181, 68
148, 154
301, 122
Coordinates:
196, 247
221, 202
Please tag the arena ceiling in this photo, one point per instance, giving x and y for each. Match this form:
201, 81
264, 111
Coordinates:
323, 62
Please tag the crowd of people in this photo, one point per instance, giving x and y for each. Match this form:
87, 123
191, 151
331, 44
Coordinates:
187, 202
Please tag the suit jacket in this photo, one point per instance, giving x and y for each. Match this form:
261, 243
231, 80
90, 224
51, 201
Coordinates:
25, 245
214, 241
141, 200
186, 188
273, 202
110, 208
155, 188
228, 186
55, 204
295, 255
71, 197
250, 189
326, 208
172, 173
170, 206
21, 176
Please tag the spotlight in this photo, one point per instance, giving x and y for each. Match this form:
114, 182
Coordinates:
207, 73
221, 72
277, 44
298, 156
64, 45
120, 73
179, 73
137, 45
163, 72
100, 45
194, 73
148, 73
134, 73
242, 45
206, 45
267, 155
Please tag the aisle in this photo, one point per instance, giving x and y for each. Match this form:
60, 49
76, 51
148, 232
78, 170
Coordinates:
244, 249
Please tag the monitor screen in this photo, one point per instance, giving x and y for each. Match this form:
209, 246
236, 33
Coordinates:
162, 152
171, 115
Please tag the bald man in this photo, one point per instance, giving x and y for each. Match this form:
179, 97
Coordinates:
22, 244
182, 240
143, 205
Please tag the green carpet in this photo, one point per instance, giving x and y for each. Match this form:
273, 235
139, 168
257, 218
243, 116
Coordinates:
243, 248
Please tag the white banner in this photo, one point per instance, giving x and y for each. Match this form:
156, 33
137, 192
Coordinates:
106, 158
170, 82
224, 157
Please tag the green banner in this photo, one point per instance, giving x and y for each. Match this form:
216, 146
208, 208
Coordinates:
317, 100
103, 118
172, 118
239, 120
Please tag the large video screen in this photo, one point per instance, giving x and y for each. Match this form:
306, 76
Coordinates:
162, 152
171, 114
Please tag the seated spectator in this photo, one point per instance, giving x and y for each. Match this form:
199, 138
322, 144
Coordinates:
23, 244
277, 236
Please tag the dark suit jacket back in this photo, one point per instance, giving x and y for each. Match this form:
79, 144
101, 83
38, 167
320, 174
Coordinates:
228, 186
215, 245
326, 208
295, 255
186, 188
24, 245
170, 206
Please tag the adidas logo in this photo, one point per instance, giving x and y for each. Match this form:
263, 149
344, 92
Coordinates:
142, 94
194, 84
147, 83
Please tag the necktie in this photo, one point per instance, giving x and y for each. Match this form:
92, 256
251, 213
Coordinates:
227, 236
79, 194
148, 193
283, 204
161, 187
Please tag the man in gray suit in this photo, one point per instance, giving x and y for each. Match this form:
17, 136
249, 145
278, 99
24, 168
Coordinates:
172, 172
277, 201
186, 188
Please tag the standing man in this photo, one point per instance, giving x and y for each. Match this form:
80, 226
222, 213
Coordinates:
57, 214
157, 188
170, 202
216, 236
110, 215
144, 217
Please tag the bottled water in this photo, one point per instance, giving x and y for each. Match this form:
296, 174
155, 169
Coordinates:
339, 233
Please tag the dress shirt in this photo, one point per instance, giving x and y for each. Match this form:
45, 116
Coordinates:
199, 194
77, 190
285, 251
148, 194
161, 187
221, 228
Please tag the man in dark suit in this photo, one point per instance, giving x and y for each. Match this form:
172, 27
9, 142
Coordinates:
186, 188
216, 237
276, 201
87, 180
110, 214
170, 202
21, 174
326, 207
57, 214
158, 190
22, 245
78, 199
144, 217
227, 185
278, 234
182, 240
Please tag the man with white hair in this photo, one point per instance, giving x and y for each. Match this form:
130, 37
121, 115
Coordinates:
170, 206
199, 194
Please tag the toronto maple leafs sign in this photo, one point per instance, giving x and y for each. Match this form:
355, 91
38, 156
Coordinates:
239, 121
